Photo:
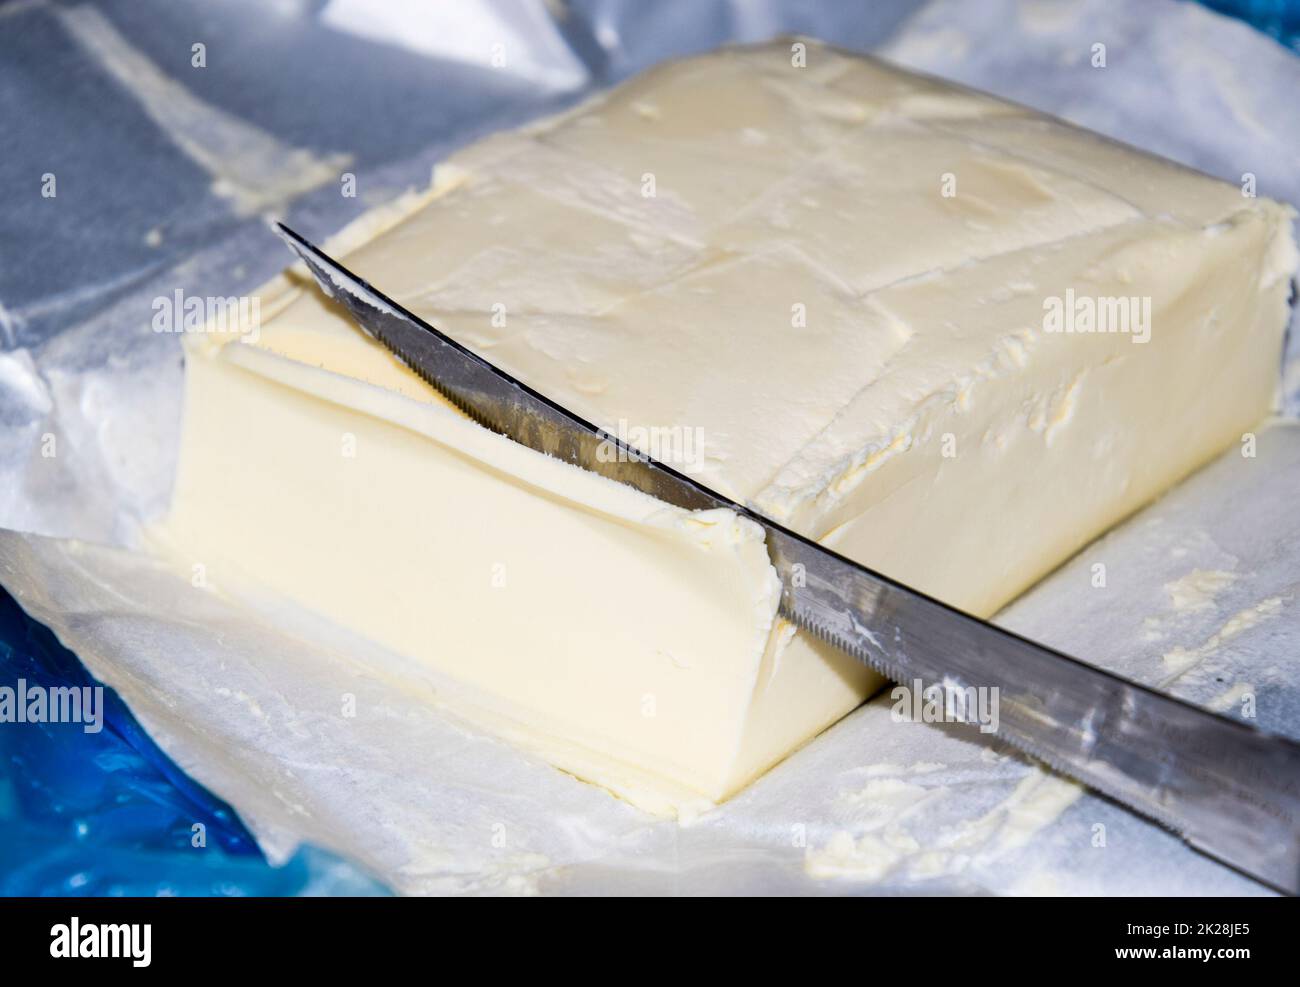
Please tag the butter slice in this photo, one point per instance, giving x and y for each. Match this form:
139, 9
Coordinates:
827, 283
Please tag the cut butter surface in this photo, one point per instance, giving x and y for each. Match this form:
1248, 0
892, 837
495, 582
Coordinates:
950, 337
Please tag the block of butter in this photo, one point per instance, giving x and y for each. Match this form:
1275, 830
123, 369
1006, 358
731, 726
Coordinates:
950, 337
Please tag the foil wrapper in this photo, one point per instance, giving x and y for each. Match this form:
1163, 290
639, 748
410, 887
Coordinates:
165, 171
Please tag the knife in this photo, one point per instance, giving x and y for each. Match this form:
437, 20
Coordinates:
1229, 790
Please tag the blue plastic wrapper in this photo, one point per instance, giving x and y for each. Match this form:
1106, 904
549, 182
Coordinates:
107, 812
1277, 18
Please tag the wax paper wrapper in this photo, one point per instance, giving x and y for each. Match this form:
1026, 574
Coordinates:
166, 171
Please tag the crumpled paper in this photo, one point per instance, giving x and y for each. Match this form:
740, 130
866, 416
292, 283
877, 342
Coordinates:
316, 737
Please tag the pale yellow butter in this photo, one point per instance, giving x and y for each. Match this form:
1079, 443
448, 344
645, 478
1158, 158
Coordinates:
828, 284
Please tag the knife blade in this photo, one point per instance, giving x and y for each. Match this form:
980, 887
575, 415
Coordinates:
1229, 790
